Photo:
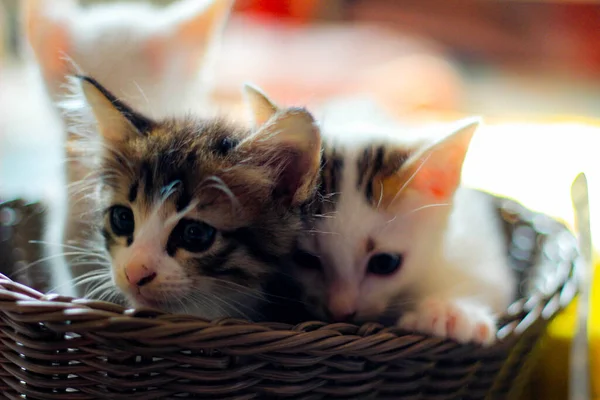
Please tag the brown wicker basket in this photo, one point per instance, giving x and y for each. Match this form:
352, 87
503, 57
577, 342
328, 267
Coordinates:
53, 347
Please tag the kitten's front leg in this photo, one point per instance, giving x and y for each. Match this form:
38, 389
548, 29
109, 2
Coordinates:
457, 319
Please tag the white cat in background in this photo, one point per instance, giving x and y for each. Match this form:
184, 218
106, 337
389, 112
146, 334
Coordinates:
159, 60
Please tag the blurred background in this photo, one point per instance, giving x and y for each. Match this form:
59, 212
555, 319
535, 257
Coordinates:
524, 58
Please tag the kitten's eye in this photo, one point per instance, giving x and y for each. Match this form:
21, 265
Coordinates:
196, 236
384, 263
121, 221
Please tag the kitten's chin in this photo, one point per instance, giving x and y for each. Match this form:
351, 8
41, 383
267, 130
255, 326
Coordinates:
140, 301
163, 303
176, 305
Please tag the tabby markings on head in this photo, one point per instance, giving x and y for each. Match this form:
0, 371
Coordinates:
374, 164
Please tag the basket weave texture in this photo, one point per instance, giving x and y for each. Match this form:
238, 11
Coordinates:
53, 347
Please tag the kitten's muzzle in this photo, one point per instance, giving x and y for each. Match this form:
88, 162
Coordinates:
342, 305
139, 275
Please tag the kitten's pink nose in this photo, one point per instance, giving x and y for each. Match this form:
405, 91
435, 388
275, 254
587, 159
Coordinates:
342, 306
138, 274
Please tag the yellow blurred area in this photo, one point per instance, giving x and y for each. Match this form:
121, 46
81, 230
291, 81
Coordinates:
502, 160
550, 378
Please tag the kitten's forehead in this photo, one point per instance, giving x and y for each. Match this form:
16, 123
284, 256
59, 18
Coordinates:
358, 158
171, 162
356, 167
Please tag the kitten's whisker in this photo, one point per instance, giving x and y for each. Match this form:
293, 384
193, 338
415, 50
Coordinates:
43, 259
169, 190
327, 197
205, 299
408, 213
139, 88
94, 273
102, 275
86, 263
410, 179
380, 195
425, 207
331, 214
323, 232
94, 278
172, 221
219, 184
99, 292
257, 294
68, 246
237, 310
75, 281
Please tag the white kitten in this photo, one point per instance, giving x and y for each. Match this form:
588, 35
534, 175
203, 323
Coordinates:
400, 234
156, 59
397, 234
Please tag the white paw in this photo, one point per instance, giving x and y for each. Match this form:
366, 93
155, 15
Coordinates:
461, 321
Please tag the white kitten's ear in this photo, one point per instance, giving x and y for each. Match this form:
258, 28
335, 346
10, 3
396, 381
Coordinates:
198, 20
259, 106
194, 25
116, 121
437, 172
47, 31
290, 145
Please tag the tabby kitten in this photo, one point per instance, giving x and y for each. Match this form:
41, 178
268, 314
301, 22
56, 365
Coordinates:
199, 216
397, 237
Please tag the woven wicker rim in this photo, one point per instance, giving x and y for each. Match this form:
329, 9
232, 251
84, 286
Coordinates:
115, 323
54, 347
112, 322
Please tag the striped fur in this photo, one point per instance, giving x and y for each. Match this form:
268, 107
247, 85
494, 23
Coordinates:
243, 183
374, 163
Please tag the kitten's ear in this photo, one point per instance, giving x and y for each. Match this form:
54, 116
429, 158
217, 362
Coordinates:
434, 172
116, 121
47, 31
259, 106
194, 26
290, 145
199, 20
437, 172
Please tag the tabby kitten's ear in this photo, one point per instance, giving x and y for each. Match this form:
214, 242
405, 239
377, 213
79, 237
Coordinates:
259, 106
433, 172
116, 121
290, 145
